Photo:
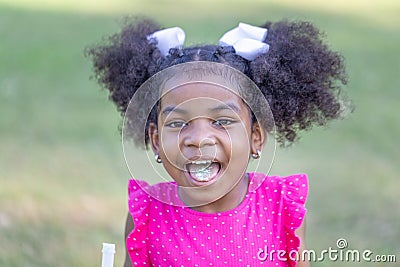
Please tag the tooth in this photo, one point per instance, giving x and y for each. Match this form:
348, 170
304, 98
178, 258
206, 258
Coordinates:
199, 162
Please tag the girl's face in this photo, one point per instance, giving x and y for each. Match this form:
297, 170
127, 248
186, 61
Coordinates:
204, 138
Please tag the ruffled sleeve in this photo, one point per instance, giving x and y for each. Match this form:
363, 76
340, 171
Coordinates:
136, 241
295, 189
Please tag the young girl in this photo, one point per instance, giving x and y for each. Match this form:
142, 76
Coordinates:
205, 111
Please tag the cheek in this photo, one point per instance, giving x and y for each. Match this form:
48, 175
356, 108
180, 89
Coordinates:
240, 138
169, 144
238, 158
240, 152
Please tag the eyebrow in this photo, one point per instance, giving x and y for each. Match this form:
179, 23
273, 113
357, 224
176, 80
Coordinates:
227, 106
170, 109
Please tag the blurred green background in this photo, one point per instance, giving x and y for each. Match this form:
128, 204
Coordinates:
62, 172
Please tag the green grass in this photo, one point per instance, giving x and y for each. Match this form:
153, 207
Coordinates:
62, 172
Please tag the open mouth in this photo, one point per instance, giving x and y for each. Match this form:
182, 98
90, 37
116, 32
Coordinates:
202, 172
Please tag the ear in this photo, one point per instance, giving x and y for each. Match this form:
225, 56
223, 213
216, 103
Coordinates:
258, 138
154, 138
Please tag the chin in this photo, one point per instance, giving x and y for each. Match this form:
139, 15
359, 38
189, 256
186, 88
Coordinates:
194, 196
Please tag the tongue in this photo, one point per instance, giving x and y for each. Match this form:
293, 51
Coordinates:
203, 172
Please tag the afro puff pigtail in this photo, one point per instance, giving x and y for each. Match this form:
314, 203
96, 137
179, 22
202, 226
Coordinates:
124, 63
300, 77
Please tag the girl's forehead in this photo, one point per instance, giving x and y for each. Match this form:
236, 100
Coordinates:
200, 93
202, 99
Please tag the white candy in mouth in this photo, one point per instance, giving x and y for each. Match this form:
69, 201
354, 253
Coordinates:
203, 170
203, 175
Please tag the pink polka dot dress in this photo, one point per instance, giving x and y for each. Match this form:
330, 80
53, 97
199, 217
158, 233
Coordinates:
252, 234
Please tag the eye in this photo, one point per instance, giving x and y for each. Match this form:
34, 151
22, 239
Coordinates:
176, 124
222, 122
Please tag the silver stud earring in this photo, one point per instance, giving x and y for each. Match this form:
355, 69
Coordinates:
256, 155
158, 159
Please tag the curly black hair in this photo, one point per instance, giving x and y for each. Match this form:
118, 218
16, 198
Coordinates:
300, 76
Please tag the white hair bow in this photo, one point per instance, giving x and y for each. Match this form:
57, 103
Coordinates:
167, 39
247, 40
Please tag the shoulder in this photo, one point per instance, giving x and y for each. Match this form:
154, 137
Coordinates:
137, 192
141, 194
141, 190
295, 184
289, 191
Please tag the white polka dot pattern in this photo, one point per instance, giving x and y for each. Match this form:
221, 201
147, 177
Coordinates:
166, 235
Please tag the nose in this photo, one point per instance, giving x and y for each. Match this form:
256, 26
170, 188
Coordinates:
199, 133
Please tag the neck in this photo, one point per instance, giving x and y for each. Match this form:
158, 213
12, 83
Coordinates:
228, 202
